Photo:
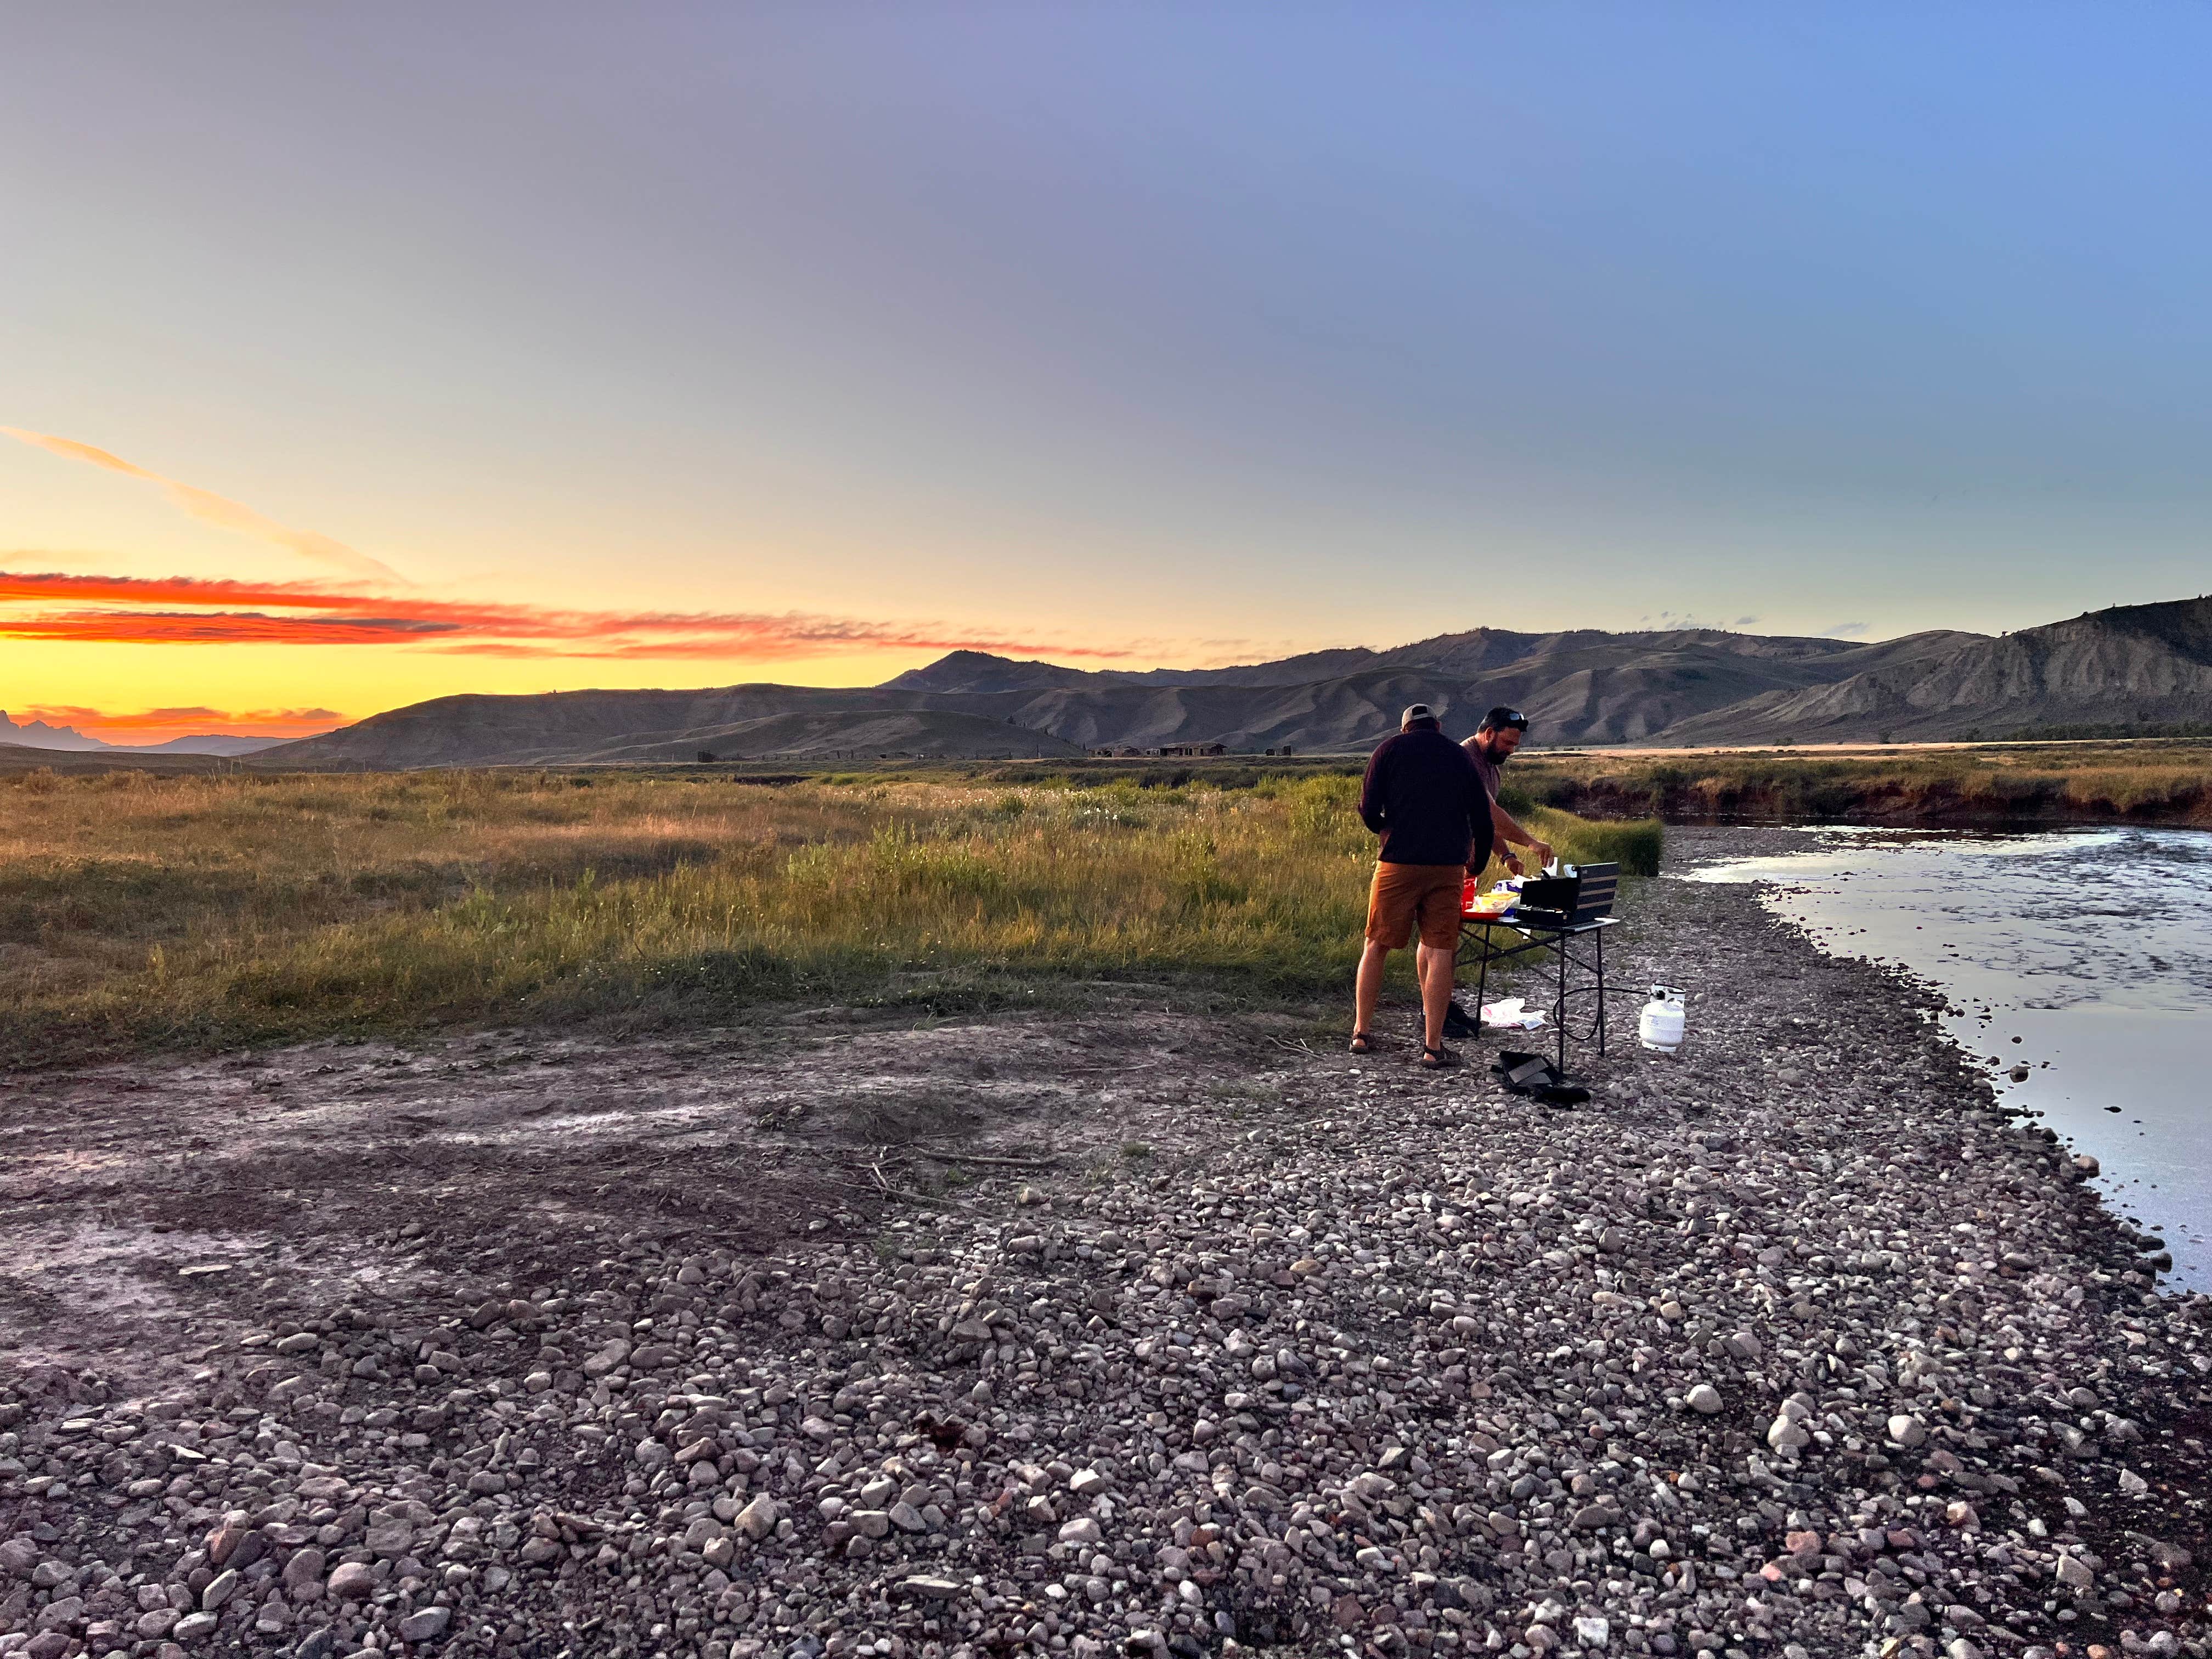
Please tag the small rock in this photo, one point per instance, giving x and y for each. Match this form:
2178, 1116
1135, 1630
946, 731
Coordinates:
758, 1518
1907, 1431
935, 1589
1704, 1398
427, 1626
303, 1574
611, 1354
352, 1581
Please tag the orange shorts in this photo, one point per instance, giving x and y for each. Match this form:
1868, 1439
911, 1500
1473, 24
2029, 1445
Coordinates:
1405, 895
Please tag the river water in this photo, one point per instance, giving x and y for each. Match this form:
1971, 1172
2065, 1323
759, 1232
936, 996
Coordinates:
2084, 956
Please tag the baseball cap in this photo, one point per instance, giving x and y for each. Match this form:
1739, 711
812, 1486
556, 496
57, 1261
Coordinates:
1419, 711
1503, 716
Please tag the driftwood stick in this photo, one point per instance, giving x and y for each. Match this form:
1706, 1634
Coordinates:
978, 1158
901, 1194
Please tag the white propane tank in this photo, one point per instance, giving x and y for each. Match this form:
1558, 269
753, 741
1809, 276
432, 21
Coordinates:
1660, 1025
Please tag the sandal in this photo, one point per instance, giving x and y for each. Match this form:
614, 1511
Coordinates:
1362, 1042
1438, 1058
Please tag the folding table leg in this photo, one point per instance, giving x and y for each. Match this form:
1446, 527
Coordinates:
1560, 946
1601, 991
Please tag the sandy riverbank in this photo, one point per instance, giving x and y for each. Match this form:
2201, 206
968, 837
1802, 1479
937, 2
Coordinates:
1789, 1344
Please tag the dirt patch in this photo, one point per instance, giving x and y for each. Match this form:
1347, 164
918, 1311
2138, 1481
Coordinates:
149, 1210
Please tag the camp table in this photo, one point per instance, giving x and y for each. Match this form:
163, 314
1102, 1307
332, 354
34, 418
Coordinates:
1584, 912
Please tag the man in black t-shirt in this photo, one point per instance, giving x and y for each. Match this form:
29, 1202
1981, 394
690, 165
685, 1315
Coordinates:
1424, 796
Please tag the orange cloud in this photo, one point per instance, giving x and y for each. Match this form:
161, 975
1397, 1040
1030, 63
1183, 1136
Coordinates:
192, 610
211, 508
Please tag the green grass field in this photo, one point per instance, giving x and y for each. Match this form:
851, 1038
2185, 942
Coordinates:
141, 912
2166, 781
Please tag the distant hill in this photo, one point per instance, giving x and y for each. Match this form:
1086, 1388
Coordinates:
38, 734
206, 742
737, 722
67, 739
2134, 665
826, 734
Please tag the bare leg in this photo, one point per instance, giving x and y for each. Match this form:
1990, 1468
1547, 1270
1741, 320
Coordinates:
1422, 971
1437, 967
1369, 986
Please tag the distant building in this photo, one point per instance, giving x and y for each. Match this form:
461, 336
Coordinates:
1190, 748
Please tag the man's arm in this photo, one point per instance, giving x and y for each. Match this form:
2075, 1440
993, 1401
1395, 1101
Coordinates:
1371, 793
1513, 835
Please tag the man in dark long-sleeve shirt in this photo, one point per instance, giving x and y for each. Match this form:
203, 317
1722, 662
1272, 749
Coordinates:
1425, 797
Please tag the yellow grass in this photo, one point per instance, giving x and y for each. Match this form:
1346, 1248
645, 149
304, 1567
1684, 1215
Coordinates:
139, 911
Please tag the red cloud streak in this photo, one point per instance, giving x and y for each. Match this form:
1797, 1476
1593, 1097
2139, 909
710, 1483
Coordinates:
146, 610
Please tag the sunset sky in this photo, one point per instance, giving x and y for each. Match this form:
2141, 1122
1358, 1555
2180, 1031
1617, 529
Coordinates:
353, 355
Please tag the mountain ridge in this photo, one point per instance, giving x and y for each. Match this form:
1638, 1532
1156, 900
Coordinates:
2125, 665
67, 739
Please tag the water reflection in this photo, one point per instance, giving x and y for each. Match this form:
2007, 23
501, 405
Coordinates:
2085, 957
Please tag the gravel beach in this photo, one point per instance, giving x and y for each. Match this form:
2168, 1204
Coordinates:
1124, 1332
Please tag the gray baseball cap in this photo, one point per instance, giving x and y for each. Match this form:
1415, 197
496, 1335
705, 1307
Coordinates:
1420, 711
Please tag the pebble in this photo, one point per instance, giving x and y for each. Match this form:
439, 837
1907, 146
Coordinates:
352, 1581
427, 1626
758, 1518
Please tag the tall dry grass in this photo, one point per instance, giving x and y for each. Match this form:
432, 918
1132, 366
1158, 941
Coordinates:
138, 911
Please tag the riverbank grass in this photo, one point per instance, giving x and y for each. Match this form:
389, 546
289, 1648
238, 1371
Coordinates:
2167, 781
139, 912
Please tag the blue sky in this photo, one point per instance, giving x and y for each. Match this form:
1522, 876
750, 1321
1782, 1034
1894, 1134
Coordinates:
1183, 331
